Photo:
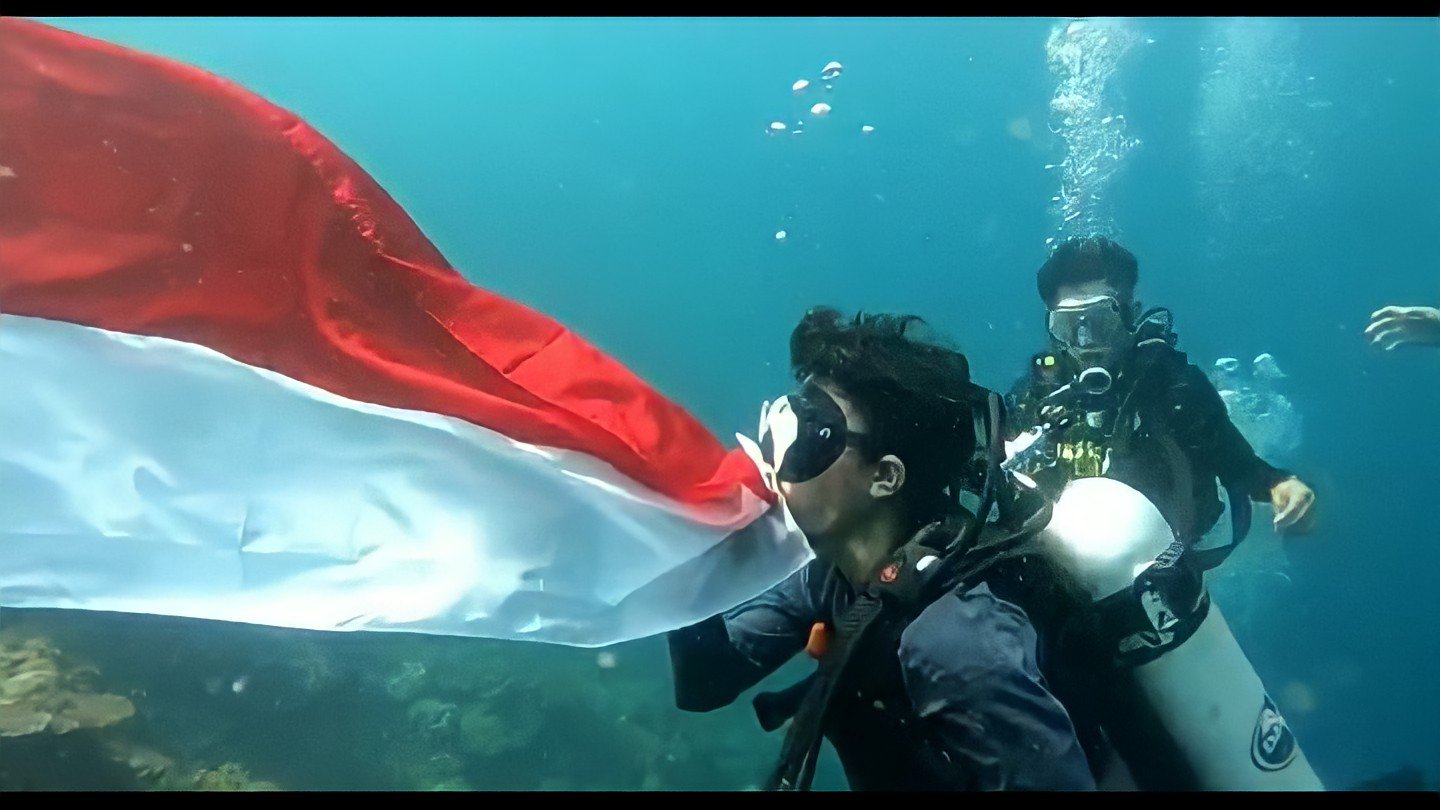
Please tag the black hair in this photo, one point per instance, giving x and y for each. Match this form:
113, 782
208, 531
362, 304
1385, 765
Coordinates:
914, 392
1090, 258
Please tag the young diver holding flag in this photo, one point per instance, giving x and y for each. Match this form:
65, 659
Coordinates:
926, 679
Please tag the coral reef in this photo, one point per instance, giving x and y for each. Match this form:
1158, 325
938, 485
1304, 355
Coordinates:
229, 777
415, 713
40, 693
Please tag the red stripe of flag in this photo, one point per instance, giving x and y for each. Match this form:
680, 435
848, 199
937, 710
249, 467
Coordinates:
146, 196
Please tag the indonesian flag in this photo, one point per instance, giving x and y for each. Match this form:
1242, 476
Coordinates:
238, 383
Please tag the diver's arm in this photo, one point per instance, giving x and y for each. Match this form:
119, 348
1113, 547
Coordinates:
970, 671
1202, 426
709, 672
715, 660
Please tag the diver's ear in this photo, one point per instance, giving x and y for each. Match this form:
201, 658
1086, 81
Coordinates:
888, 478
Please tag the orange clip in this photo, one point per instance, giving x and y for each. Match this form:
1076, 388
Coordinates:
819, 640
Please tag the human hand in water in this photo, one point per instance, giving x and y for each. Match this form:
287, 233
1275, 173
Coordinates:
1393, 326
1056, 415
1294, 505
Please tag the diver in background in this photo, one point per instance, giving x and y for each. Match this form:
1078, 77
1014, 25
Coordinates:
923, 682
1399, 326
1129, 450
1088, 285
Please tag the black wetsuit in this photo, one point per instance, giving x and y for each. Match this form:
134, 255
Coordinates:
1174, 398
959, 703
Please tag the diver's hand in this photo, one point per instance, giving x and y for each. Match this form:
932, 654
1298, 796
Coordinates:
1394, 326
1056, 415
1294, 505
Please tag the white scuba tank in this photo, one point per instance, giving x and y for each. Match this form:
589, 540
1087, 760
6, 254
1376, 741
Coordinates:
1204, 690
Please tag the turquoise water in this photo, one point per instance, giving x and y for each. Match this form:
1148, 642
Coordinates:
618, 175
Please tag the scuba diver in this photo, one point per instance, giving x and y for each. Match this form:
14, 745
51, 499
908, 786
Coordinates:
1127, 451
925, 679
1088, 286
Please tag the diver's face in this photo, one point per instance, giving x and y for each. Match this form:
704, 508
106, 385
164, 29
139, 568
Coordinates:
828, 507
1108, 354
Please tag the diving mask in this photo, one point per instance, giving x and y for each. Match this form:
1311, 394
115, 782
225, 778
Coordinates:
801, 435
1089, 324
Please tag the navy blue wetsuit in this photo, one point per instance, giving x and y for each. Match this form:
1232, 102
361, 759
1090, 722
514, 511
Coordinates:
967, 668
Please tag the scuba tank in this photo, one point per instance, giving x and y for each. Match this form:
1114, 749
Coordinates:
1182, 663
1183, 697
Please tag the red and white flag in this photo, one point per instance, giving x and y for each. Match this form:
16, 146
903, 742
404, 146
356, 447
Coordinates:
238, 383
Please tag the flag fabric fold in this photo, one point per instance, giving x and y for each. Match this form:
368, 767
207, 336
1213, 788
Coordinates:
237, 382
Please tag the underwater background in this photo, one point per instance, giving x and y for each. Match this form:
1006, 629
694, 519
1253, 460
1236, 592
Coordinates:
1277, 180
